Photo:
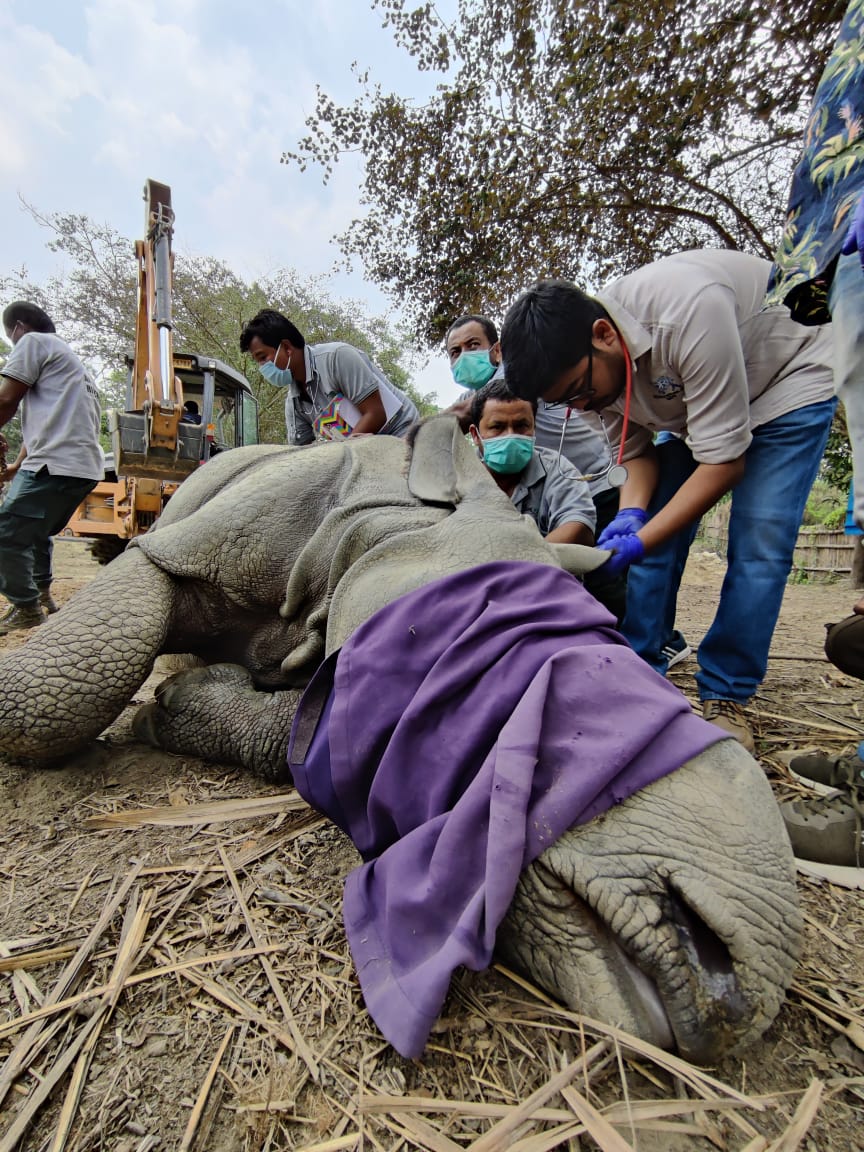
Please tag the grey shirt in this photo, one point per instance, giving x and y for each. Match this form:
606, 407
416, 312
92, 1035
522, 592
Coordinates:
551, 493
60, 412
335, 371
710, 363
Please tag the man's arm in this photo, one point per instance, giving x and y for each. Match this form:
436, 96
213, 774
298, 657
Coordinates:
642, 474
358, 383
11, 469
710, 361
572, 533
696, 495
12, 392
372, 415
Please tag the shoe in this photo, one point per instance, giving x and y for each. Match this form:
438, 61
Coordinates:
21, 616
675, 650
46, 600
729, 715
825, 774
826, 835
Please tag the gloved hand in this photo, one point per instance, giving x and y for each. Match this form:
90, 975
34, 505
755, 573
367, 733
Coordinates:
628, 521
855, 236
626, 550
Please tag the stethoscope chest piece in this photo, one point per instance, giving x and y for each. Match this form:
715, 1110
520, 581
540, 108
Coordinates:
617, 476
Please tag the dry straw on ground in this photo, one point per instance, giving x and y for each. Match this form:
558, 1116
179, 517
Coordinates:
179, 979
231, 953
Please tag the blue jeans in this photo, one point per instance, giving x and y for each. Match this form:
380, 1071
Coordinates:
846, 301
36, 507
767, 508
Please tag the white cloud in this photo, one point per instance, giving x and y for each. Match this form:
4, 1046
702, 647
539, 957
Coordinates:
40, 85
98, 97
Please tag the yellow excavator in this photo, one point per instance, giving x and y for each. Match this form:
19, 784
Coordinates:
181, 408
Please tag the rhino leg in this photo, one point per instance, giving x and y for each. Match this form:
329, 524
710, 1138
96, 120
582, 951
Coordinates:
673, 915
80, 668
216, 713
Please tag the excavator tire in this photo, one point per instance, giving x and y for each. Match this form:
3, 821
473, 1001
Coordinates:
104, 549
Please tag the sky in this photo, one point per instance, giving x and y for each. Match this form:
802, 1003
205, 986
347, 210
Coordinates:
202, 95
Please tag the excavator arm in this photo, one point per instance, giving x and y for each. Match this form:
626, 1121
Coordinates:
149, 441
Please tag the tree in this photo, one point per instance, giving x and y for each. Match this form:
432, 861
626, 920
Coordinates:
94, 305
572, 138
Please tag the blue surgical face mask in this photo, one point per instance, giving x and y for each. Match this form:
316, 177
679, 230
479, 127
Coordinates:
473, 369
279, 377
508, 455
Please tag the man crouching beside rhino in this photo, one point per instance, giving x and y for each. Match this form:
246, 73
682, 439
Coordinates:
514, 777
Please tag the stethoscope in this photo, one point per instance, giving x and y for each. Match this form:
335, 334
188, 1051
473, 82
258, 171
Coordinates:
615, 473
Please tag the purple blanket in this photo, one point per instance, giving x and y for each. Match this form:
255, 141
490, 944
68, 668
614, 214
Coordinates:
459, 733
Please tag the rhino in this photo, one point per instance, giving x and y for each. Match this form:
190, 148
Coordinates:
673, 914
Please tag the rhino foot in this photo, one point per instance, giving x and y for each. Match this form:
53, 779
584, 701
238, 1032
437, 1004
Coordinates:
217, 714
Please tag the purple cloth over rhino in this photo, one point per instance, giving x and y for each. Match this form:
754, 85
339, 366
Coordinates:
469, 725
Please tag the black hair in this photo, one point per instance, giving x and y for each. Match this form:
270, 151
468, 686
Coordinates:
271, 328
546, 331
22, 312
495, 390
485, 323
191, 406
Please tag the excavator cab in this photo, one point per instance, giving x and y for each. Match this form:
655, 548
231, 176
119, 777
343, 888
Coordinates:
219, 411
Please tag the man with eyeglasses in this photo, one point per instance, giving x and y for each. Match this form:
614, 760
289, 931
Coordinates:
750, 392
60, 460
541, 485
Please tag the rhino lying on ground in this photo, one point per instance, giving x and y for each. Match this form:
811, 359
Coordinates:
672, 914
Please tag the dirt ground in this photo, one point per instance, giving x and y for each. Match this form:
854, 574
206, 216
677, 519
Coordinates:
186, 983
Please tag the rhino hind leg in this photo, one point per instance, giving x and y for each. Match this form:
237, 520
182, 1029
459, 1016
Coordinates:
217, 714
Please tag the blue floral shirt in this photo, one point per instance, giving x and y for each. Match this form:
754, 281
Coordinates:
828, 182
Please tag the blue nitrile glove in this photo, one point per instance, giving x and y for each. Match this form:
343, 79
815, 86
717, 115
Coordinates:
855, 236
628, 521
626, 550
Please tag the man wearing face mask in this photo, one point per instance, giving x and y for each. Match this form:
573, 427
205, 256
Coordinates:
334, 389
540, 483
475, 358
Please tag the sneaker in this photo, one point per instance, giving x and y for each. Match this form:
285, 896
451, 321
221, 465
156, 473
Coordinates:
825, 774
21, 616
826, 835
729, 715
46, 600
675, 650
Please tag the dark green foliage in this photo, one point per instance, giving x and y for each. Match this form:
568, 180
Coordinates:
570, 138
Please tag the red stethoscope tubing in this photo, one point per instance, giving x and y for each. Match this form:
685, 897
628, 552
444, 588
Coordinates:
628, 396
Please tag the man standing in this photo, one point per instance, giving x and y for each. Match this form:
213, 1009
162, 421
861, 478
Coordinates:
541, 484
334, 390
751, 392
59, 463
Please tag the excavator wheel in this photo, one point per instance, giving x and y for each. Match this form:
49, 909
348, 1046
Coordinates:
104, 549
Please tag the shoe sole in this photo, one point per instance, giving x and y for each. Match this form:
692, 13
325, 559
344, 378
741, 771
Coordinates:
814, 785
843, 876
679, 658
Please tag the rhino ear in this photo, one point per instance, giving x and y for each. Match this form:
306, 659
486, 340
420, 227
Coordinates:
579, 559
443, 464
